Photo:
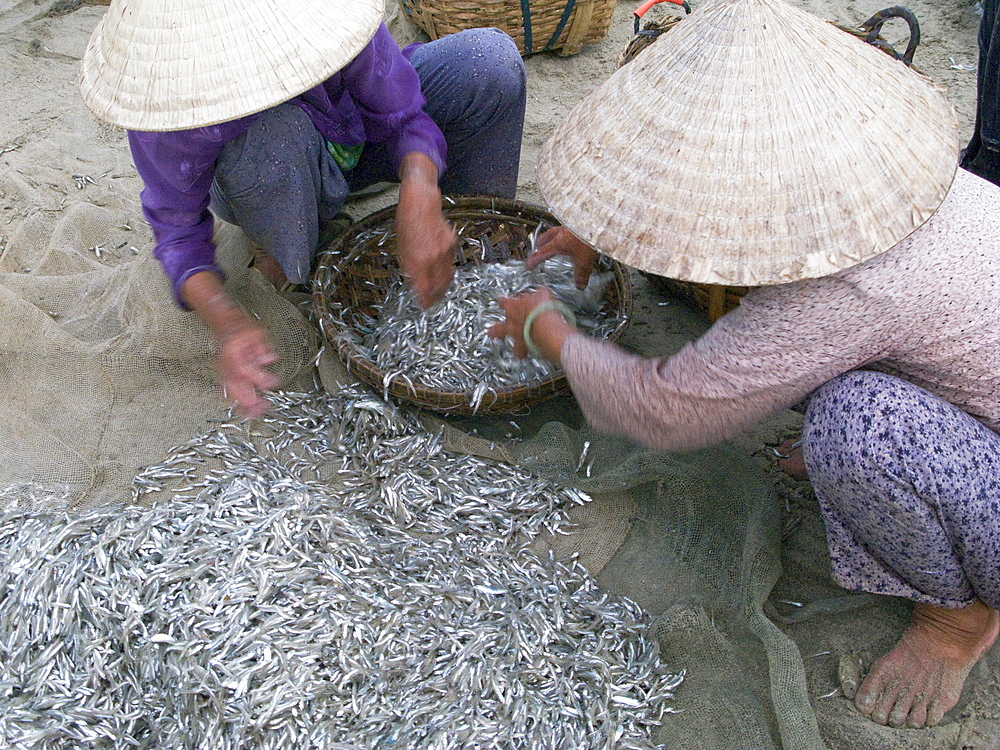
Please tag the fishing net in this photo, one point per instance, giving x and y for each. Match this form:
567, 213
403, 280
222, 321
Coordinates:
101, 370
695, 539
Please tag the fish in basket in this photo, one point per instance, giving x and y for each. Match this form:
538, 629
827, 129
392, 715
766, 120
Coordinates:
441, 358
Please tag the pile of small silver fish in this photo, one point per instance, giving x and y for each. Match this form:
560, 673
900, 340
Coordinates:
446, 347
331, 578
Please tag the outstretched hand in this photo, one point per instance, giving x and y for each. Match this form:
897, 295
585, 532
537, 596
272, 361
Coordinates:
561, 241
548, 330
245, 352
243, 361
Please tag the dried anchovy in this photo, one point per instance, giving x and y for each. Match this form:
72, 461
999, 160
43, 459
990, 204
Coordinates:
446, 347
298, 594
82, 180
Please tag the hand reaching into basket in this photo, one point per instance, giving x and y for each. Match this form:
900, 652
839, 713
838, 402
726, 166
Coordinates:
561, 241
425, 240
537, 324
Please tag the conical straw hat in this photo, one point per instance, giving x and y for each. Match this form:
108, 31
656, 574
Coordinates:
752, 144
176, 64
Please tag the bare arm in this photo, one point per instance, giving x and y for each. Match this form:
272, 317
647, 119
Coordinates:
425, 241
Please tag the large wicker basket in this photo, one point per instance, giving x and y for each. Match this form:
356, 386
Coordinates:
562, 26
716, 300
354, 274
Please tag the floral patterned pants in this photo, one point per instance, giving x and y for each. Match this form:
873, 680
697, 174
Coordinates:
909, 489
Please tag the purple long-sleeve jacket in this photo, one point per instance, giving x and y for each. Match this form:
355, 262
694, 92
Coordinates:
374, 98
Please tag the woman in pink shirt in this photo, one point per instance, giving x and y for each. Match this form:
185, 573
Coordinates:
876, 268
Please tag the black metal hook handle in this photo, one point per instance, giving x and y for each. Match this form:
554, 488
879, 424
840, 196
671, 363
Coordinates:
874, 27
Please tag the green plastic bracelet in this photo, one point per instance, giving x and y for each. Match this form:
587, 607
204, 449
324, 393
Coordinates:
550, 304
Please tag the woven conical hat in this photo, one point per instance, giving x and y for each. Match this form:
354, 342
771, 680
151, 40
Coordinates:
177, 64
752, 144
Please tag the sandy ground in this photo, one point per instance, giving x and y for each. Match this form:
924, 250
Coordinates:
47, 135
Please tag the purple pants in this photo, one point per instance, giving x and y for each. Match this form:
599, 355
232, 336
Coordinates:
280, 185
909, 489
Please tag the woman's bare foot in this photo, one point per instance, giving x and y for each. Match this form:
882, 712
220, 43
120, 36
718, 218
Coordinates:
269, 268
922, 677
790, 459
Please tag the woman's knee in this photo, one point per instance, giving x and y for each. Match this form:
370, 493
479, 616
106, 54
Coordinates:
874, 430
492, 52
481, 67
509, 73
858, 424
850, 407
909, 476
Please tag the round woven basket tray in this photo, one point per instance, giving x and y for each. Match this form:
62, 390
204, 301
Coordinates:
355, 273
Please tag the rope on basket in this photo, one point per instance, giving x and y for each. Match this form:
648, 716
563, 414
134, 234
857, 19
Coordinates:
526, 17
562, 24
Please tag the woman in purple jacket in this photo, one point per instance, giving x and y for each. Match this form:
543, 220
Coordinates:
269, 118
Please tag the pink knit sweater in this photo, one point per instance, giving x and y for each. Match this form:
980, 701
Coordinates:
928, 311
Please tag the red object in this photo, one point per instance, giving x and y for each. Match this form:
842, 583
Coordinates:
641, 10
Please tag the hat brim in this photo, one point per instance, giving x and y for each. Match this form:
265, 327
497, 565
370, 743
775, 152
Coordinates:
752, 144
159, 65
